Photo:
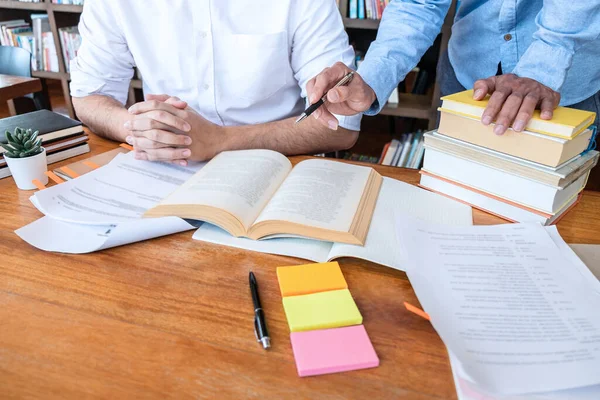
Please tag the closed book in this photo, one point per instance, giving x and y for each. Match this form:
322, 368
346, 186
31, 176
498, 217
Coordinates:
361, 9
560, 176
546, 198
542, 149
60, 145
52, 126
510, 211
399, 150
384, 152
405, 150
55, 157
389, 155
353, 8
565, 123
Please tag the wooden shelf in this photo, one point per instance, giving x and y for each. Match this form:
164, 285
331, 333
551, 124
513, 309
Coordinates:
50, 75
70, 8
354, 23
409, 106
18, 5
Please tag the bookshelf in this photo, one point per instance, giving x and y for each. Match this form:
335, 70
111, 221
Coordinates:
59, 16
409, 105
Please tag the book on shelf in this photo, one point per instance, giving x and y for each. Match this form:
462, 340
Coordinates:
407, 153
70, 40
35, 37
258, 194
366, 9
73, 2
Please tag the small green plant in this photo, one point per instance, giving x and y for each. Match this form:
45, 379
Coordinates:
22, 143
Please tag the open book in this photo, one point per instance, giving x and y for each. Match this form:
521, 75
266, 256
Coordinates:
258, 194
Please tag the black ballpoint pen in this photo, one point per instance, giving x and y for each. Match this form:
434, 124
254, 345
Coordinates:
260, 325
313, 107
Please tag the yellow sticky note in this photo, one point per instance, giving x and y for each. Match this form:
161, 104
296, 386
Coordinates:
310, 278
323, 310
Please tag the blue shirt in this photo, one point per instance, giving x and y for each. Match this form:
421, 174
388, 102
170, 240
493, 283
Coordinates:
555, 42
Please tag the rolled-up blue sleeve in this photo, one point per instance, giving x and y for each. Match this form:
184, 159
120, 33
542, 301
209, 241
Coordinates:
408, 28
564, 26
104, 64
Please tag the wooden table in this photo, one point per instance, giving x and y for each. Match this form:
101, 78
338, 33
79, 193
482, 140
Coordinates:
172, 318
12, 87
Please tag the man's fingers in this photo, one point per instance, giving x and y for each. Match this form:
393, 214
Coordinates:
525, 112
166, 154
508, 113
165, 137
494, 106
165, 98
168, 119
326, 118
548, 104
142, 143
327, 79
165, 113
482, 87
339, 94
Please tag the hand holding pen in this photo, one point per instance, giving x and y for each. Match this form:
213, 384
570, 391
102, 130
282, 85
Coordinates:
350, 99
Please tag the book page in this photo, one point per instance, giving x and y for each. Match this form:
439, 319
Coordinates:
398, 197
121, 191
319, 193
516, 313
240, 182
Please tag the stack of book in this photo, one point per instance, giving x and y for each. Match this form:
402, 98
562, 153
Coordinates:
407, 152
35, 37
366, 9
62, 137
531, 176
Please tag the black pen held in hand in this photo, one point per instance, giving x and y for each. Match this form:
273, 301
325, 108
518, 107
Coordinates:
345, 80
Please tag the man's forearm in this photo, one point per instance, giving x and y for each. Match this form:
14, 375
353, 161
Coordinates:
308, 137
103, 115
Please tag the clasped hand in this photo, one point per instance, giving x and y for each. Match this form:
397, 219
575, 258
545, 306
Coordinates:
164, 128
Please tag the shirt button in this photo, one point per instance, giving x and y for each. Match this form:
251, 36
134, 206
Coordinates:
507, 37
206, 86
203, 35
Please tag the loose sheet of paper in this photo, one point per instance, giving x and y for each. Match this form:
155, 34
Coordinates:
118, 192
516, 313
49, 234
395, 197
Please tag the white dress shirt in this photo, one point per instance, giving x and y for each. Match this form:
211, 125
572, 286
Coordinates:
236, 62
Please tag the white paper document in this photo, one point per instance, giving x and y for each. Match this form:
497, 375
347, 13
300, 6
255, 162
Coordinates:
519, 316
380, 245
49, 234
121, 191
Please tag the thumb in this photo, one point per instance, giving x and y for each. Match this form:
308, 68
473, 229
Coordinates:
158, 97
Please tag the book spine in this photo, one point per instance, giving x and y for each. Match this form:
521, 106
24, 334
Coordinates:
361, 9
353, 9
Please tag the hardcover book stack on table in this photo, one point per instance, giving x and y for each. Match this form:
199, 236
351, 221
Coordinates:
62, 137
532, 176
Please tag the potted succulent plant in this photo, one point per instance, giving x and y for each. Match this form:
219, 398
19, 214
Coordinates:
25, 157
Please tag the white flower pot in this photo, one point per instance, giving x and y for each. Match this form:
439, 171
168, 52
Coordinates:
25, 170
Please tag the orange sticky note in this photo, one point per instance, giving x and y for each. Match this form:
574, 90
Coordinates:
310, 278
54, 177
417, 311
68, 171
126, 146
91, 164
38, 184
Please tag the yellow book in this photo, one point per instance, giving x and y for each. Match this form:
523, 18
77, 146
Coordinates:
333, 309
566, 122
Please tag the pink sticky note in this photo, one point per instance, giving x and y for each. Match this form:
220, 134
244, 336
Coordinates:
326, 351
